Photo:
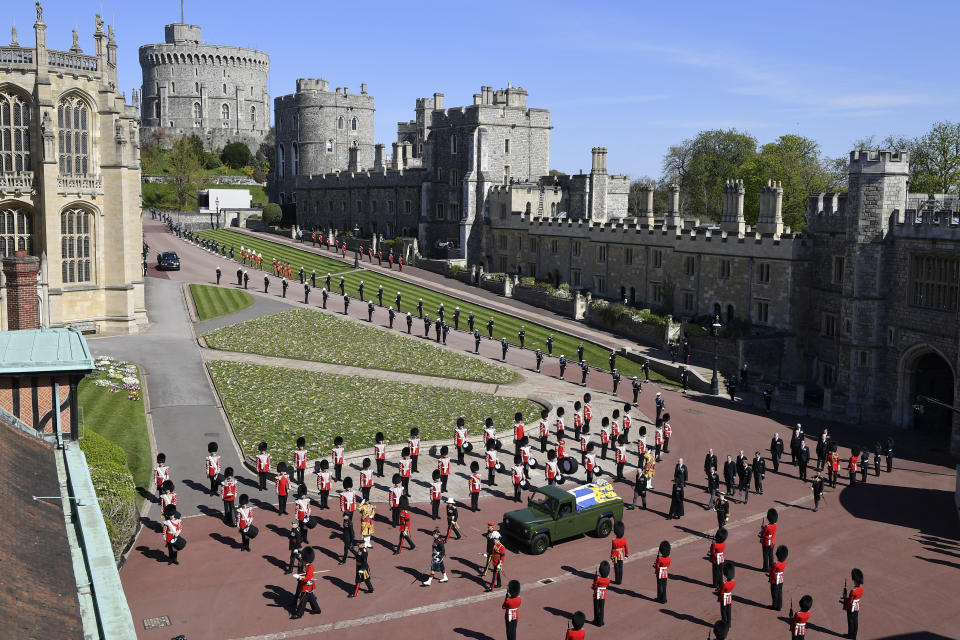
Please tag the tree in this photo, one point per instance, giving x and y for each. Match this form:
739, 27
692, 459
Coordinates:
236, 155
186, 171
935, 159
272, 213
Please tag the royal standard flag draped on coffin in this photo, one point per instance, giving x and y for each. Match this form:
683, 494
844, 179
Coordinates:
591, 494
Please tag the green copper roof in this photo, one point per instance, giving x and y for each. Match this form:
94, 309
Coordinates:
43, 350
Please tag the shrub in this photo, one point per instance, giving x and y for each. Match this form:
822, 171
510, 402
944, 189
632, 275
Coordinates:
495, 277
248, 171
457, 269
100, 452
259, 175
564, 287
211, 161
115, 488
528, 282
236, 155
272, 213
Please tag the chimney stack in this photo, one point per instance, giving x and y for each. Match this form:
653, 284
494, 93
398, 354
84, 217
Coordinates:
599, 160
645, 213
23, 305
672, 218
352, 162
731, 219
378, 150
770, 220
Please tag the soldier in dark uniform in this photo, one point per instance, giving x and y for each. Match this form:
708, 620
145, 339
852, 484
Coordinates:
440, 312
391, 314
363, 568
438, 327
239, 276
522, 334
341, 285
584, 370
420, 308
876, 459
409, 322
550, 344
580, 352
301, 274
327, 282
767, 399
476, 342
266, 283
313, 278
616, 380
445, 330
539, 356
397, 300
370, 308
722, 507
324, 294
306, 293
346, 303
470, 320
503, 347
490, 328
294, 542
452, 515
864, 465
426, 326
776, 450
817, 486
283, 285
683, 378
732, 389
635, 385
360, 291
563, 365
380, 295
639, 488
888, 453
803, 459
759, 468
613, 359
346, 531
219, 273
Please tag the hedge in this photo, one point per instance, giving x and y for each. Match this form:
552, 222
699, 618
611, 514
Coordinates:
115, 488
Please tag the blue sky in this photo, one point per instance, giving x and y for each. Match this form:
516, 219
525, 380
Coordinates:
635, 77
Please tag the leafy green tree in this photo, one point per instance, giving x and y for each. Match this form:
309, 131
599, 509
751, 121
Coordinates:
186, 170
236, 155
935, 159
272, 213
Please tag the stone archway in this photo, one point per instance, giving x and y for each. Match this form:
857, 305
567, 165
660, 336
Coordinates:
924, 371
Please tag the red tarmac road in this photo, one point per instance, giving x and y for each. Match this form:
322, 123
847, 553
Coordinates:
900, 529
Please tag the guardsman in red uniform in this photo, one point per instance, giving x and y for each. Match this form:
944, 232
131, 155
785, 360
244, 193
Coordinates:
263, 465
799, 620
380, 453
436, 494
768, 536
305, 587
517, 432
212, 466
584, 444
404, 527
604, 436
337, 457
492, 535
348, 500
511, 608
577, 420
544, 430
577, 632
641, 445
283, 487
589, 462
661, 570
489, 431
492, 463
551, 468
776, 578
244, 521
474, 485
852, 465
161, 472
228, 492
324, 483
559, 424
525, 455
405, 466
396, 497
667, 433
167, 495
627, 420
460, 439
172, 528
658, 442
618, 551
497, 553
725, 593
414, 443
587, 412
519, 478
720, 630
366, 479
443, 466
561, 451
303, 511
621, 454
300, 459
833, 465
601, 581
716, 555
851, 603
615, 425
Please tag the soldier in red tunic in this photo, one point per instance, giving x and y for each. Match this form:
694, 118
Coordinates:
245, 521
717, 550
661, 571
172, 528
303, 511
600, 583
725, 593
799, 620
380, 453
443, 466
618, 551
497, 553
283, 487
474, 483
414, 443
300, 459
161, 472
851, 603
852, 465
324, 483
768, 536
396, 498
228, 492
776, 578
404, 527
305, 587
511, 608
405, 466
263, 465
436, 494
366, 479
337, 457
577, 632
518, 429
460, 439
212, 467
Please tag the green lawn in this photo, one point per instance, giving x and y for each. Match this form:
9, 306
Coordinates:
504, 325
310, 335
213, 301
271, 250
276, 405
117, 417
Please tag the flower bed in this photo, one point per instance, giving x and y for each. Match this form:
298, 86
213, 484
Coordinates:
276, 405
311, 335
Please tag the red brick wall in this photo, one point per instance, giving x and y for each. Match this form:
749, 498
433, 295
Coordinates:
23, 307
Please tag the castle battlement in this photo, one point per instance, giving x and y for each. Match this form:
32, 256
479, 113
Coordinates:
879, 161
369, 178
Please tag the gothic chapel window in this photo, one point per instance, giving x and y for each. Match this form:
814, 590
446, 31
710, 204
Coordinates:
72, 136
14, 133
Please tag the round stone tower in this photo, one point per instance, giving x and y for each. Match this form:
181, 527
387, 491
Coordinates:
217, 93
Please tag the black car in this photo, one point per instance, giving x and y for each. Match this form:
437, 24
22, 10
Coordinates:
168, 261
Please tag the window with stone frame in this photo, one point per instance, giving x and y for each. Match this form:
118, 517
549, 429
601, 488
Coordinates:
390, 206
837, 275
439, 174
197, 115
14, 133
225, 114
575, 248
656, 292
454, 211
762, 315
16, 230
554, 246
576, 278
628, 255
340, 122
506, 145
73, 136
829, 327
453, 144
601, 253
280, 160
763, 273
454, 177
657, 259
330, 145
599, 284
253, 117
407, 206
440, 211
689, 265
724, 270
353, 124
688, 301
295, 159
75, 245
828, 374
934, 282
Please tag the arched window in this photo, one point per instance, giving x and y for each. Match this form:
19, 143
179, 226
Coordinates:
453, 144
14, 133
340, 122
295, 159
224, 111
279, 160
156, 109
16, 226
353, 124
75, 239
73, 136
197, 114
253, 117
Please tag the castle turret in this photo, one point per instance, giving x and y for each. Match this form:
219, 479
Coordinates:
673, 218
732, 220
770, 220
645, 208
598, 185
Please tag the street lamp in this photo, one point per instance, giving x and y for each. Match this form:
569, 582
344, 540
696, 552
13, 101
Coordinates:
714, 381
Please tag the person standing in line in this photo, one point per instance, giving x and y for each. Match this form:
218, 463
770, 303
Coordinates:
212, 467
245, 521
518, 476
474, 485
324, 294
768, 536
294, 542
851, 603
263, 465
443, 466
409, 323
172, 530
368, 513
730, 474
346, 304
219, 273
436, 494
799, 619
539, 356
776, 578
405, 466
283, 488
348, 500
303, 512
414, 443
283, 286
511, 607
601, 582
759, 468
370, 309
380, 295
305, 587
405, 527
379, 452
161, 473
324, 483
391, 314
452, 515
522, 335
619, 550
852, 465
346, 533
460, 439
563, 366
584, 372
888, 454
725, 592
716, 555
396, 499
503, 348
549, 343
338, 452
228, 493
661, 570
621, 455
817, 487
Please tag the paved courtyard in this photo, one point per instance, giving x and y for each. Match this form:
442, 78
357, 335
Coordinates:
901, 529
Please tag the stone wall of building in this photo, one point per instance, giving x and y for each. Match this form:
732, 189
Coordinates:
218, 93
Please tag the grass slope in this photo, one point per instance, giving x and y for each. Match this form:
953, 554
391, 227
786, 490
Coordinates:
504, 325
271, 250
310, 335
276, 405
213, 302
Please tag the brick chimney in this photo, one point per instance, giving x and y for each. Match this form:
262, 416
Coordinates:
23, 307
